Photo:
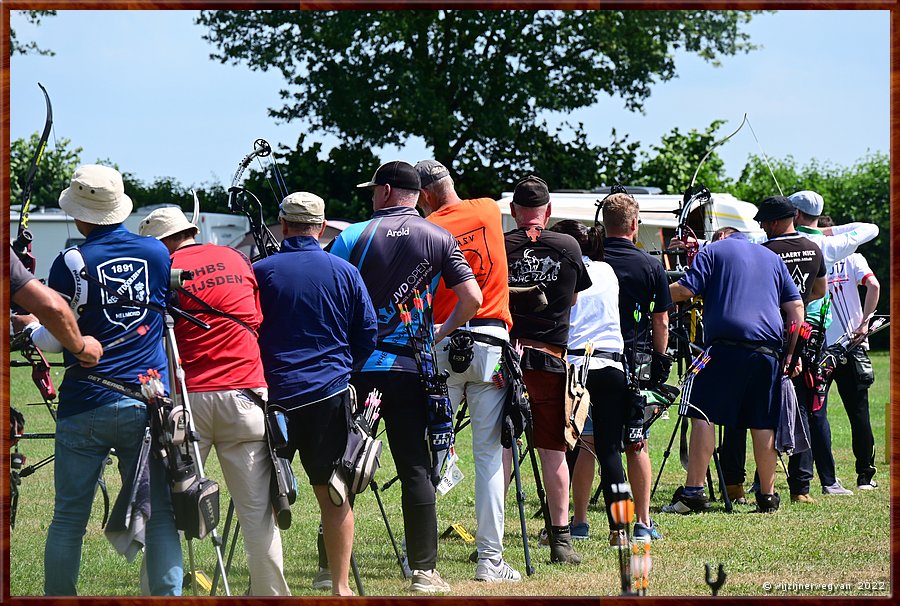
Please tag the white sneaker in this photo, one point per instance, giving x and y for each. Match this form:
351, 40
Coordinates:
428, 581
489, 572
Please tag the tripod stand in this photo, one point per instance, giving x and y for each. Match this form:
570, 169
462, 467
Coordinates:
683, 351
176, 372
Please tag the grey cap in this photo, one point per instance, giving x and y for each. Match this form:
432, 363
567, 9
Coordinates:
431, 171
808, 202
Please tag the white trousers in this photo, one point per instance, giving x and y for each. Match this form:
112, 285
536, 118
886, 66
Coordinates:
236, 426
485, 403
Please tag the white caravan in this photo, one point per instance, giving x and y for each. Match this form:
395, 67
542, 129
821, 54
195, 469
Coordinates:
53, 231
659, 214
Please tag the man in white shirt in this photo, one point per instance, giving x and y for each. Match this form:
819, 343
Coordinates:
855, 375
837, 243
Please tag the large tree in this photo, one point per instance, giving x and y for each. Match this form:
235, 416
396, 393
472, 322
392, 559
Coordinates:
17, 47
475, 85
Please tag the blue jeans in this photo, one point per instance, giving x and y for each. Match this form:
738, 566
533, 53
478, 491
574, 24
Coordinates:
83, 442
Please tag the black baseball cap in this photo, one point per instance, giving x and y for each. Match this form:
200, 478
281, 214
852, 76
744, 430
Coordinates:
398, 174
531, 192
774, 208
431, 171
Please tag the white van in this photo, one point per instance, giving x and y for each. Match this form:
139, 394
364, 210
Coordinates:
659, 214
53, 230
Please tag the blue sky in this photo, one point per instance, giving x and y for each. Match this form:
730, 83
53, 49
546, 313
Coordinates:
138, 87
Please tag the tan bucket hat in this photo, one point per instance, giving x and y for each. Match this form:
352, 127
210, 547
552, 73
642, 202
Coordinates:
96, 195
164, 222
302, 207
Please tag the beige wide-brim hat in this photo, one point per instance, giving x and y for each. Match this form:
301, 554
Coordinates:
164, 222
96, 195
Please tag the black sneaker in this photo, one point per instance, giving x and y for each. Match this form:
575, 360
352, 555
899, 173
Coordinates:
685, 505
767, 503
866, 483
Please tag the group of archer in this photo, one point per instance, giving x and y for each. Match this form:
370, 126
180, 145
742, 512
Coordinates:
768, 371
351, 331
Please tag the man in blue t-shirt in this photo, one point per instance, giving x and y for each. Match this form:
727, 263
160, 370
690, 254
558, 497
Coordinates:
94, 419
745, 287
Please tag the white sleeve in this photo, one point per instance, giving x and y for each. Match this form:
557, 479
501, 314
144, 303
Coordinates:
845, 239
861, 267
43, 340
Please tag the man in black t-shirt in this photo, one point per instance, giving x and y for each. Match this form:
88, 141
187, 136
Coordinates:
545, 275
643, 288
803, 257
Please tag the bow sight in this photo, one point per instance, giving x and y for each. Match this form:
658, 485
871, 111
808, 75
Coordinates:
615, 189
238, 198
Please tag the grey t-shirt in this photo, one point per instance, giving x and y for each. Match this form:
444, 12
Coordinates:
19, 276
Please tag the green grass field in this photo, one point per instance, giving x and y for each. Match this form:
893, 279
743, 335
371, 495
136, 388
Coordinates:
842, 541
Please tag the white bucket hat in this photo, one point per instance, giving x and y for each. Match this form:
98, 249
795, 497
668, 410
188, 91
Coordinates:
96, 195
164, 222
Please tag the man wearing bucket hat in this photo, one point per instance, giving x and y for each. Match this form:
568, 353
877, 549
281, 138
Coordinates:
806, 267
837, 243
398, 254
93, 419
318, 324
219, 364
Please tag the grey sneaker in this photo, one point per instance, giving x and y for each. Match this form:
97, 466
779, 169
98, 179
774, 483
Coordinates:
428, 581
489, 572
322, 580
836, 489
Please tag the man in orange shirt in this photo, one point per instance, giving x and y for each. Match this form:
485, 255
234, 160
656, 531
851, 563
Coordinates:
477, 227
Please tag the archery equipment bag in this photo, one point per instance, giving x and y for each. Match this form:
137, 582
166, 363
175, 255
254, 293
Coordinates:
461, 351
196, 506
362, 456
282, 482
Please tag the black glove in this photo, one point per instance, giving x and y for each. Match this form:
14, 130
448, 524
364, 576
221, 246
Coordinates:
660, 367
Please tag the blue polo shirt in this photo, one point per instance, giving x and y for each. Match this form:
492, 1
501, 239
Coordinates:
743, 286
138, 267
318, 322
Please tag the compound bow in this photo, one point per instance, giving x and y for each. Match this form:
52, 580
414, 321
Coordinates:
265, 242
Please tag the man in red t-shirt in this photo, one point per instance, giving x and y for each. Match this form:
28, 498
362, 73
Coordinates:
219, 363
478, 230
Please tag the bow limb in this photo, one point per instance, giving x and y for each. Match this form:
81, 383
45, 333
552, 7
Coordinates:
22, 243
714, 146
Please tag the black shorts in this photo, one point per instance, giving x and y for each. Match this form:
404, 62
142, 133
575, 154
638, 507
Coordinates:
738, 387
318, 433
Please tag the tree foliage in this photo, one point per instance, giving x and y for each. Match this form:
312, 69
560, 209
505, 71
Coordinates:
472, 84
670, 165
53, 172
17, 47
